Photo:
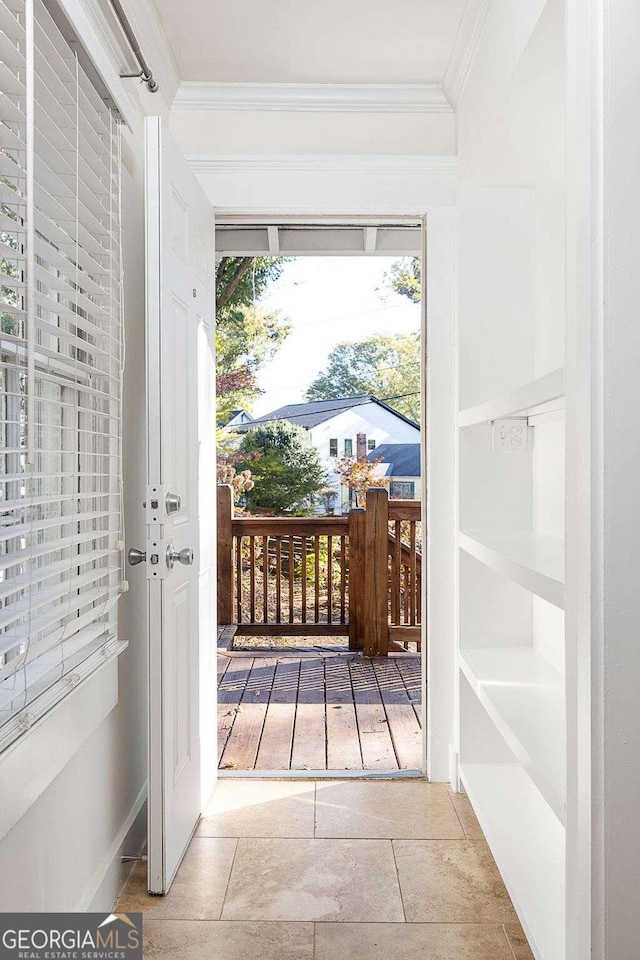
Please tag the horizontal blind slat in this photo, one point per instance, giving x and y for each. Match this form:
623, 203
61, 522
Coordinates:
60, 372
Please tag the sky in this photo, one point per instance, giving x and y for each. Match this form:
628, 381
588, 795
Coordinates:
328, 300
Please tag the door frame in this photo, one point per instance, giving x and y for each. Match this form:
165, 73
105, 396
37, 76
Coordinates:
446, 768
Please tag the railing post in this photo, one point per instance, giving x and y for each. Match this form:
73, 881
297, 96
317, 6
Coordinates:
356, 577
376, 574
225, 554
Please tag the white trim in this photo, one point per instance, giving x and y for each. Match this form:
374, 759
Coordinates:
321, 775
251, 164
465, 48
15, 729
105, 885
329, 97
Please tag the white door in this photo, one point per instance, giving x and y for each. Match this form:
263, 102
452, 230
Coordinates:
180, 538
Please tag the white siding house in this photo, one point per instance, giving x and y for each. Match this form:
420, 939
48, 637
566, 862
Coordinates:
399, 463
334, 425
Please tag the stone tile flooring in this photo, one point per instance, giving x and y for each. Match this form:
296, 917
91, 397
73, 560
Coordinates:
302, 870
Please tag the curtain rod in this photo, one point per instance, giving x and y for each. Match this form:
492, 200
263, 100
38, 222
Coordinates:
145, 73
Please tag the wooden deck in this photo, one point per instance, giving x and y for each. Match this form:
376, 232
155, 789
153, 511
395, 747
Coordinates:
325, 711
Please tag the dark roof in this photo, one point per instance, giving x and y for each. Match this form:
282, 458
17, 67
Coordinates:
403, 458
312, 413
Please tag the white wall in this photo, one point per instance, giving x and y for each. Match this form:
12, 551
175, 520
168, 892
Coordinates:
224, 132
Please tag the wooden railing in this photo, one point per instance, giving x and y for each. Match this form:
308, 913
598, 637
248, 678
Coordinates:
358, 574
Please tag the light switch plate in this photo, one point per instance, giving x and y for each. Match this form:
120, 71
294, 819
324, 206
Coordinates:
510, 436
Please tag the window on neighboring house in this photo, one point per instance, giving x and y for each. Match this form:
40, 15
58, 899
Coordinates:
371, 444
61, 358
333, 447
348, 448
402, 490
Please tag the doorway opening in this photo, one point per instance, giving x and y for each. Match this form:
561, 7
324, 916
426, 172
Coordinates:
321, 588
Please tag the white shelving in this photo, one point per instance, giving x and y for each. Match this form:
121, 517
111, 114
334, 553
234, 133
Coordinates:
524, 697
528, 844
525, 400
534, 560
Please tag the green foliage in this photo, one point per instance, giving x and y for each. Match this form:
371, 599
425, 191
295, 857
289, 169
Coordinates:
247, 336
387, 366
8, 295
286, 468
404, 279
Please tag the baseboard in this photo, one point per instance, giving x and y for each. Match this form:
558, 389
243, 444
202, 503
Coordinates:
107, 883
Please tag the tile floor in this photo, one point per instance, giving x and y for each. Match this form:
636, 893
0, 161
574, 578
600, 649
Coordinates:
300, 870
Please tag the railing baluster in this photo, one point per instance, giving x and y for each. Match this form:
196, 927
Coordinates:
343, 578
397, 567
265, 579
316, 549
412, 541
252, 580
329, 579
405, 605
238, 543
278, 579
291, 576
304, 579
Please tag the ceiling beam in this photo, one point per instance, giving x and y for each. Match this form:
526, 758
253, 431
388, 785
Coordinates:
274, 240
370, 239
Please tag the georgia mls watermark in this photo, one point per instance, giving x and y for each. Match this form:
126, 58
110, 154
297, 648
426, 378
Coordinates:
70, 936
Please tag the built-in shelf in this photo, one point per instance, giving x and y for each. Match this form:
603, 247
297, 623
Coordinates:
534, 560
524, 697
528, 843
547, 390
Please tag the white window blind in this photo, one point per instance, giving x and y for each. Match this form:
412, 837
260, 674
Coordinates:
61, 359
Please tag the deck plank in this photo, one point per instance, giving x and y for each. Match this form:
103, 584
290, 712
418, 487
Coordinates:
343, 742
411, 672
403, 724
375, 739
335, 710
231, 686
277, 732
242, 746
309, 737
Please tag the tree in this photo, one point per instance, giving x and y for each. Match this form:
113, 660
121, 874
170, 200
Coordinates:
285, 466
247, 336
360, 476
240, 483
387, 366
404, 278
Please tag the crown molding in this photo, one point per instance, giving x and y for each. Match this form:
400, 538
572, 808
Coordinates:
465, 48
250, 164
329, 97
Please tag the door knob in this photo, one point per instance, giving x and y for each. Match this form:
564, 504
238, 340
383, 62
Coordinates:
173, 503
135, 556
181, 556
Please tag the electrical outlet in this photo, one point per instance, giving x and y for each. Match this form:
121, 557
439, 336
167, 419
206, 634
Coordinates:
510, 436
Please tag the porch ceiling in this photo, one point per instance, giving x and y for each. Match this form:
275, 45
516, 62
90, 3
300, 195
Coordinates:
287, 41
300, 240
